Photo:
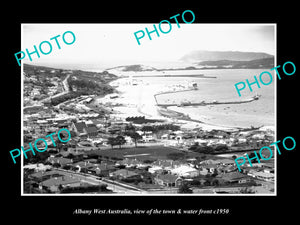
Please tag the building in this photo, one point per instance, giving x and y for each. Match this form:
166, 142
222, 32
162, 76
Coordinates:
91, 131
262, 175
211, 168
235, 177
185, 171
168, 180
102, 169
131, 162
60, 160
37, 167
123, 174
78, 128
155, 169
54, 184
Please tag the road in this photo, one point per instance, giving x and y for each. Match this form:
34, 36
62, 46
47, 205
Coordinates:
91, 179
66, 90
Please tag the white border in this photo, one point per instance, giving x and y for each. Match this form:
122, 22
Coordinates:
177, 195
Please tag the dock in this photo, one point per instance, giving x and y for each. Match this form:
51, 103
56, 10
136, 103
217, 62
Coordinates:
202, 103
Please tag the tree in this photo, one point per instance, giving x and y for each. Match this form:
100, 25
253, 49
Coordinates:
120, 140
184, 188
147, 128
215, 182
111, 141
129, 128
221, 147
135, 136
247, 190
56, 165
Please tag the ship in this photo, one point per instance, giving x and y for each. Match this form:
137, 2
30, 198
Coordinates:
256, 96
184, 103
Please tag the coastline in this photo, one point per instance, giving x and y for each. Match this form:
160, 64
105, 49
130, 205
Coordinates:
139, 100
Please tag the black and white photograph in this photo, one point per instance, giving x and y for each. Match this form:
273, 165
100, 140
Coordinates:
163, 117
129, 112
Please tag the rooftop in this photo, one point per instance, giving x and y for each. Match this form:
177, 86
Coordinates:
124, 173
233, 176
170, 178
63, 180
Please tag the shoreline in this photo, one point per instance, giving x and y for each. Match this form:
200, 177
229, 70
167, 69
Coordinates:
139, 100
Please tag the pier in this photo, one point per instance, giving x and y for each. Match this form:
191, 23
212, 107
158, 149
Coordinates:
202, 103
171, 75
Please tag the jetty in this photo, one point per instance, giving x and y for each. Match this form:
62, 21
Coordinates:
171, 75
202, 103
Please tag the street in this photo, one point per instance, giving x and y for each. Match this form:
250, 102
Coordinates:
91, 179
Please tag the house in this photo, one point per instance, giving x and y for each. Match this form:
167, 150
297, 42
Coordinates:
168, 180
60, 160
45, 175
185, 171
147, 136
203, 171
123, 174
209, 161
89, 166
228, 169
234, 177
262, 175
78, 127
55, 183
226, 162
166, 164
37, 167
102, 169
211, 168
155, 169
82, 166
131, 162
269, 170
91, 131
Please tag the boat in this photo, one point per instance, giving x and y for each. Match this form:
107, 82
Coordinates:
256, 97
184, 103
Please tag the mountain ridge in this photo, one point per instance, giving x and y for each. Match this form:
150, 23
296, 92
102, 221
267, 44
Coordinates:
231, 64
203, 55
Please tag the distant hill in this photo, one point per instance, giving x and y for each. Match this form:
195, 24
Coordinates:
136, 68
196, 56
252, 64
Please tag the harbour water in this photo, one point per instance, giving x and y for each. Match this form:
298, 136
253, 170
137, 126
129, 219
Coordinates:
138, 98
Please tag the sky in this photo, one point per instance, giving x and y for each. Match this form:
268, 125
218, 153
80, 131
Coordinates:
97, 43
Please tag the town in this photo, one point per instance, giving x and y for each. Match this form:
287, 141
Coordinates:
108, 154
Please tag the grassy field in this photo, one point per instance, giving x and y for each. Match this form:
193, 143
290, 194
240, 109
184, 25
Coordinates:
142, 153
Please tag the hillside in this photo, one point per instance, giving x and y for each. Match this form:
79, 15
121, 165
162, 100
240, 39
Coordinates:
196, 56
79, 82
133, 68
252, 64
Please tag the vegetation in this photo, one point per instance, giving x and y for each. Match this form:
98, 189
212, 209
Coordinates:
184, 189
208, 149
156, 128
176, 156
201, 149
140, 120
88, 87
119, 140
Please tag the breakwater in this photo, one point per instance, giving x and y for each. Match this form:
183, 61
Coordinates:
169, 75
202, 103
